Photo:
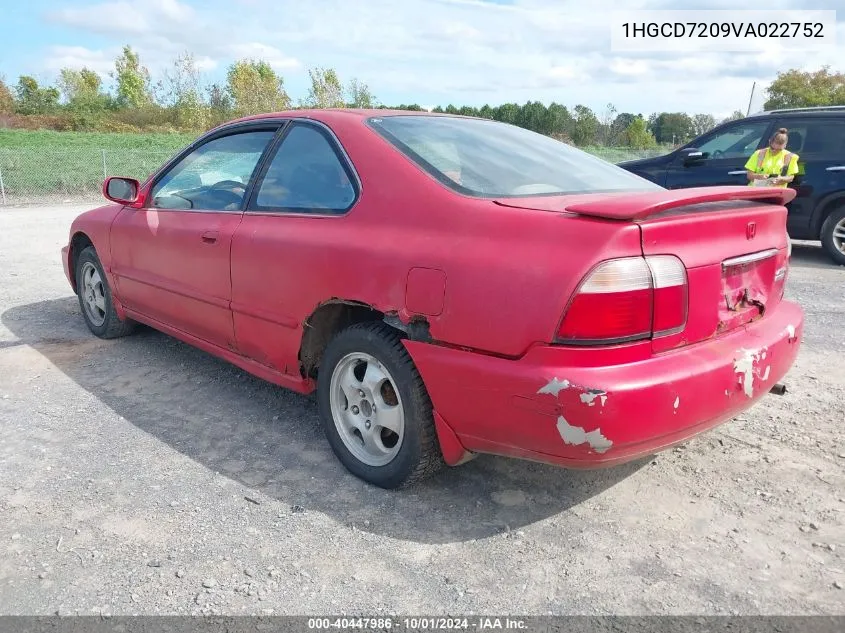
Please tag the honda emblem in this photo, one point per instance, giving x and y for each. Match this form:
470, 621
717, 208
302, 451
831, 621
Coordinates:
751, 230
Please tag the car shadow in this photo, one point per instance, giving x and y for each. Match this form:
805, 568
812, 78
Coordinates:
810, 255
269, 438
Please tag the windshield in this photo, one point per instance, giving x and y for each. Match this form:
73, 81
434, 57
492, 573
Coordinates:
485, 158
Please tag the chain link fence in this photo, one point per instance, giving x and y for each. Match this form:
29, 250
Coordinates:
56, 176
35, 176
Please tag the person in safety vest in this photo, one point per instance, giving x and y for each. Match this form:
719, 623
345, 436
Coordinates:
772, 166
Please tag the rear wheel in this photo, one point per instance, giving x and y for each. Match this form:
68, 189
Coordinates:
375, 409
833, 235
95, 298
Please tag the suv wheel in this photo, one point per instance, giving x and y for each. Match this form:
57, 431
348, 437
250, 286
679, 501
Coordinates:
833, 235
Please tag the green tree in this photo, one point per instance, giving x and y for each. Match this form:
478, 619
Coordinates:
671, 127
486, 112
32, 99
559, 122
254, 87
7, 101
183, 92
637, 136
586, 126
532, 116
797, 89
326, 90
219, 104
702, 123
360, 95
83, 97
508, 113
619, 128
735, 116
606, 124
76, 85
133, 80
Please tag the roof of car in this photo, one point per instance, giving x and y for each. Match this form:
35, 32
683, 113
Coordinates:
818, 111
324, 113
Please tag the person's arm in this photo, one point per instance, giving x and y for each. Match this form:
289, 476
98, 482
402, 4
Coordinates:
750, 166
791, 171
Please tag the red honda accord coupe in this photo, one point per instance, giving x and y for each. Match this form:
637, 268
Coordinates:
450, 286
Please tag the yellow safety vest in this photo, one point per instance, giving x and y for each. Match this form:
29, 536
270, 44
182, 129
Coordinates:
781, 164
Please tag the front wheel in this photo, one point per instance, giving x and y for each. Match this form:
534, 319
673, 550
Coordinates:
833, 235
95, 298
375, 409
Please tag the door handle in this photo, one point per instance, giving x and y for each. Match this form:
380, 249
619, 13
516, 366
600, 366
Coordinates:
740, 172
210, 237
837, 168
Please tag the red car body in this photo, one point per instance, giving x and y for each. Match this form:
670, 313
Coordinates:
501, 300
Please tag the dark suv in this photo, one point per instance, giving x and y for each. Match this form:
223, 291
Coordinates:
718, 157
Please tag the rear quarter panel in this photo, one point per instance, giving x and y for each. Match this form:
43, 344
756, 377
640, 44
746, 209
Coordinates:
508, 273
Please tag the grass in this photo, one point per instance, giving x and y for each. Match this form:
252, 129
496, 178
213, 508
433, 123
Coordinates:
68, 141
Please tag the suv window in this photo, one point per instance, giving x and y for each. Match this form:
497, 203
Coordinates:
214, 176
738, 141
818, 137
305, 176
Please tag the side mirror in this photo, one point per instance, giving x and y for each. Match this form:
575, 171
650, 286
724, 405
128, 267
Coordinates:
121, 190
691, 156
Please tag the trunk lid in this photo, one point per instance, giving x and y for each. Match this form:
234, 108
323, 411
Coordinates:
732, 241
735, 254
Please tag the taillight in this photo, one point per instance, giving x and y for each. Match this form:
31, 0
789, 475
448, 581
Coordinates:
628, 299
670, 294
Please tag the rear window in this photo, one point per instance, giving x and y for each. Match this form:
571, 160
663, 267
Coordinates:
489, 159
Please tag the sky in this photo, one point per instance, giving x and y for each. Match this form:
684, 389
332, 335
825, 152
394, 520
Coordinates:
429, 52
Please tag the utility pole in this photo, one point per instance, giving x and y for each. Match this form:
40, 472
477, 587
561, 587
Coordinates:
751, 98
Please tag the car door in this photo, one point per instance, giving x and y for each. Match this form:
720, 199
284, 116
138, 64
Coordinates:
724, 153
287, 249
819, 142
171, 257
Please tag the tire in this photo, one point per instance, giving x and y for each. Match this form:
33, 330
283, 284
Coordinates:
101, 319
835, 222
369, 358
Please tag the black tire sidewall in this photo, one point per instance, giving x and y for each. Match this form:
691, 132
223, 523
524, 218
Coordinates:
827, 235
89, 255
406, 381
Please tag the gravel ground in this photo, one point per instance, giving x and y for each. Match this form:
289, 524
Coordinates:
141, 476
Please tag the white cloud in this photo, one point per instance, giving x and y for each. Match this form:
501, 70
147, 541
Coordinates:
459, 51
126, 18
270, 54
632, 67
78, 57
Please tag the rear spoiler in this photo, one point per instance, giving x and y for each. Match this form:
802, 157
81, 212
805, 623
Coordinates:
638, 206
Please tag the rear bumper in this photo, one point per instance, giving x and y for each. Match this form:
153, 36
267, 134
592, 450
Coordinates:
548, 407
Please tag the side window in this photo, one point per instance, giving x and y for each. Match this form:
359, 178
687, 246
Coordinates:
214, 176
738, 141
824, 139
305, 176
798, 132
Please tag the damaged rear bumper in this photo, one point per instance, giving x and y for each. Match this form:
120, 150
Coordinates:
575, 409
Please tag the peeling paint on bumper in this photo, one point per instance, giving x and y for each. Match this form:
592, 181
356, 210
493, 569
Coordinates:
612, 413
